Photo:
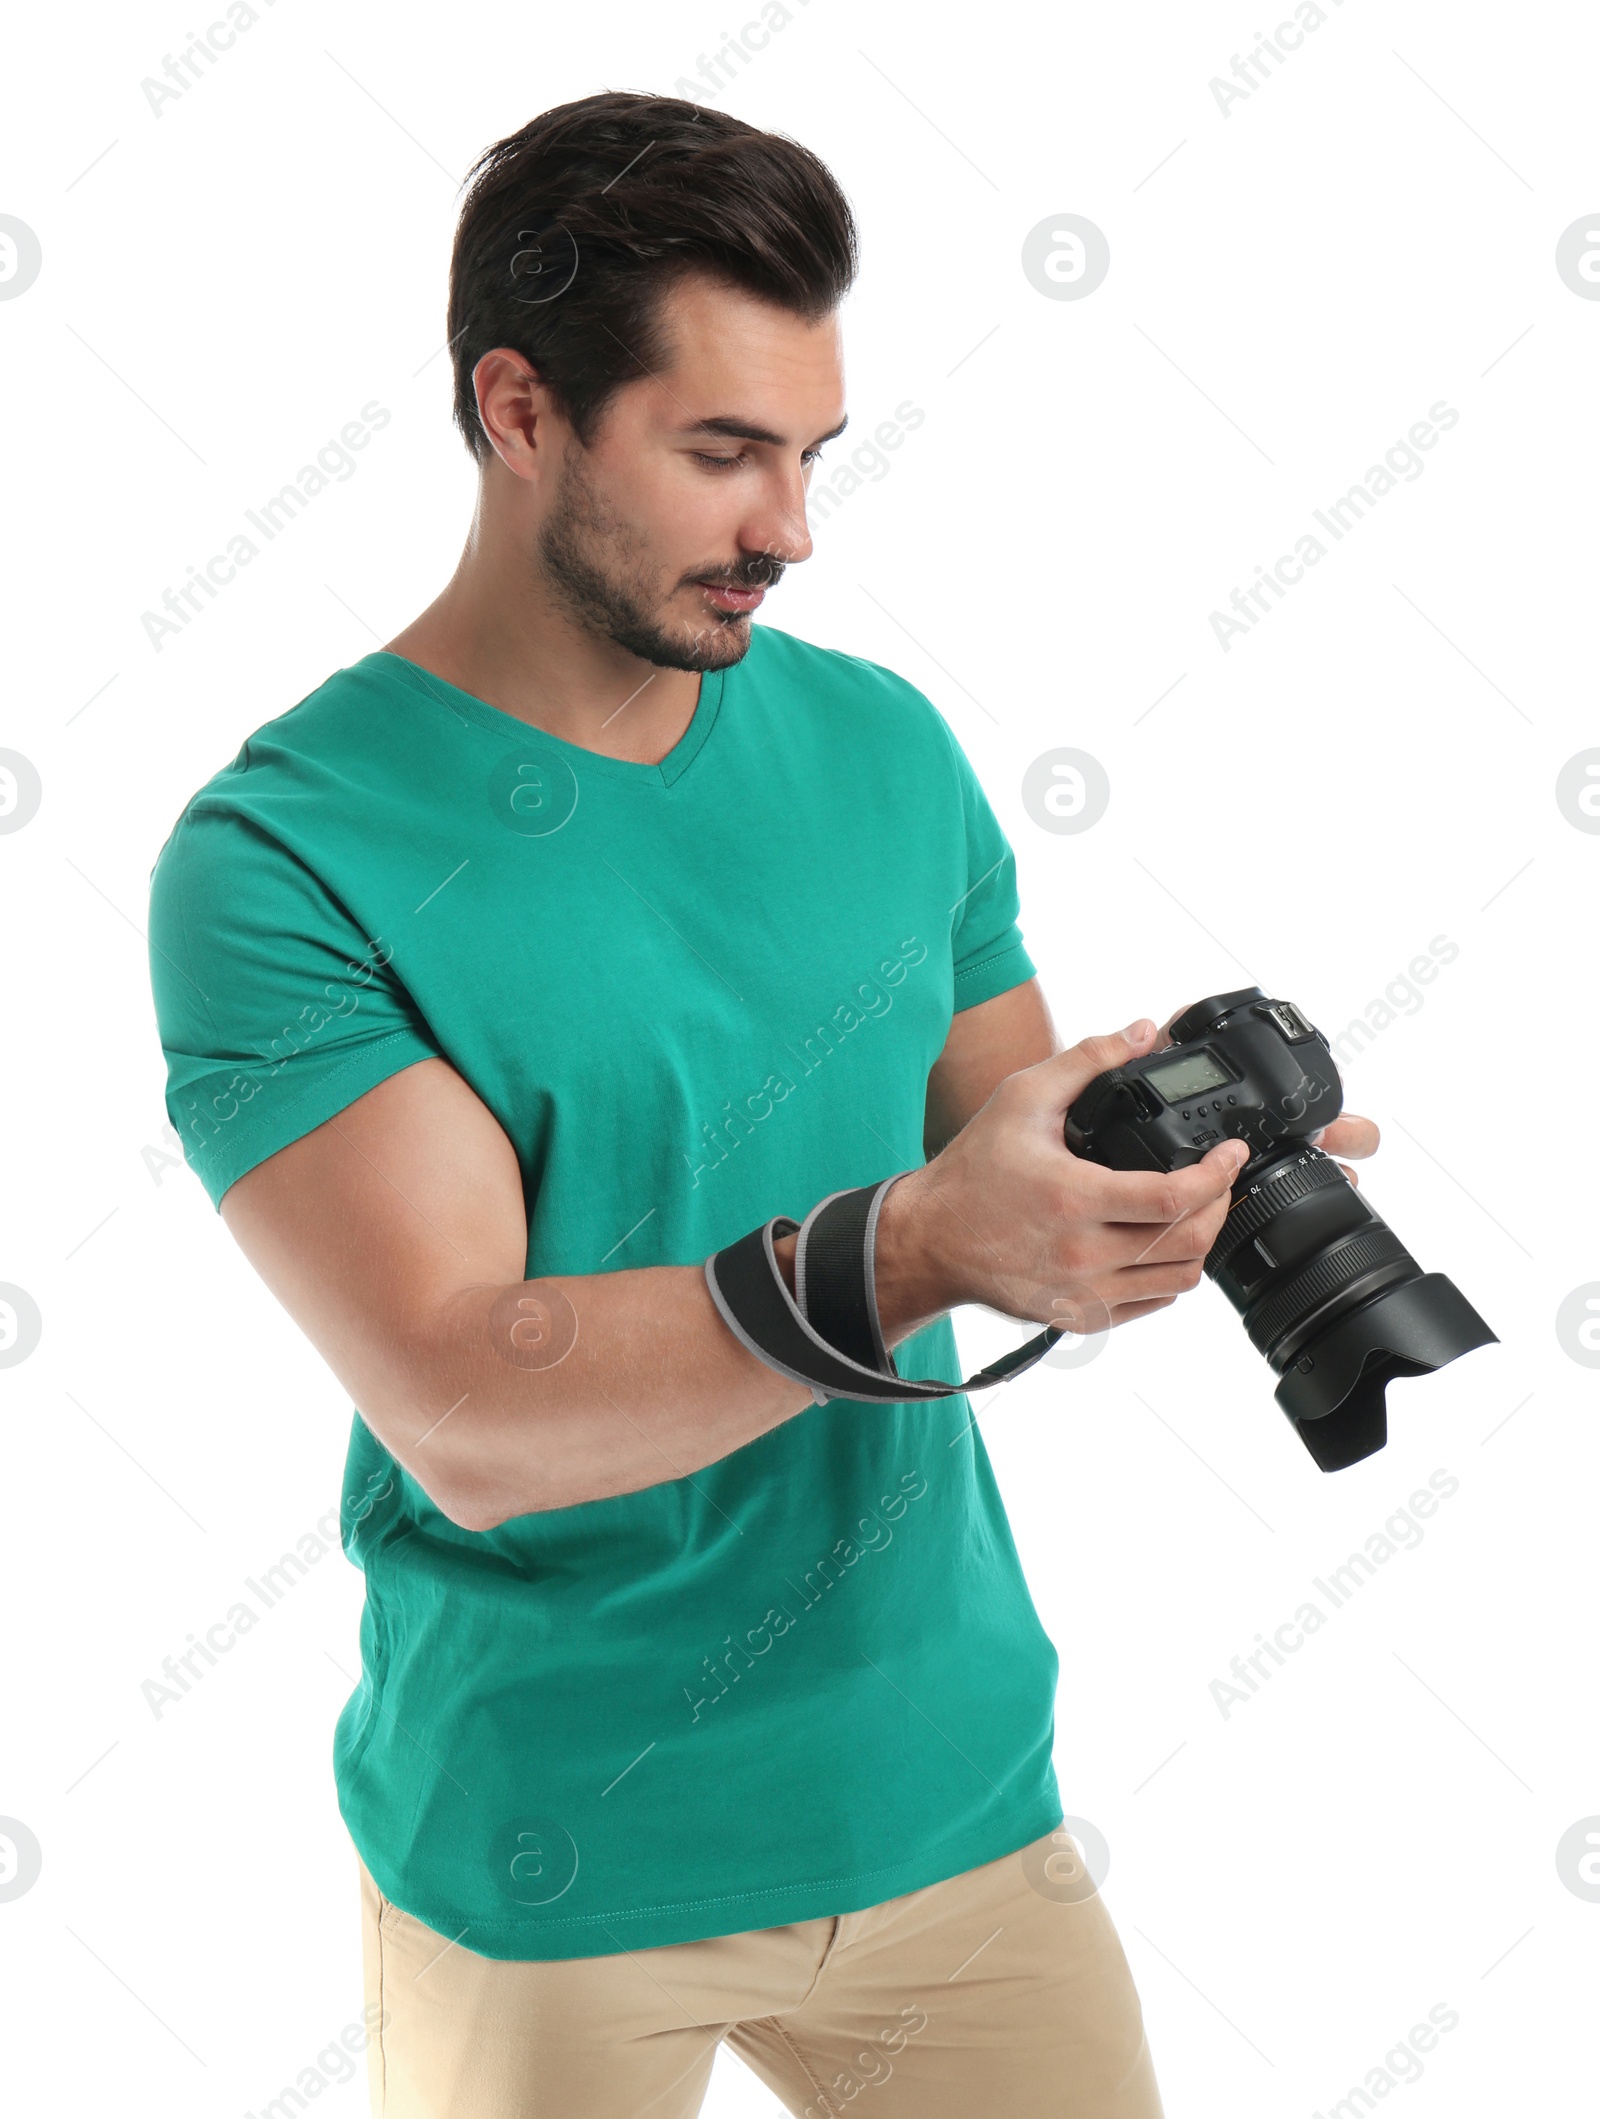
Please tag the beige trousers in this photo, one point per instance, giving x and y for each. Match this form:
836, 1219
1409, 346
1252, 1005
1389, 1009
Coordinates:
1003, 1991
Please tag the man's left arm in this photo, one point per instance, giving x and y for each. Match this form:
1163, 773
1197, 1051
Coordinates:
986, 1043
1014, 1029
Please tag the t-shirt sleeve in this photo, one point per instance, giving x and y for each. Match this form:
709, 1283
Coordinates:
986, 939
275, 1008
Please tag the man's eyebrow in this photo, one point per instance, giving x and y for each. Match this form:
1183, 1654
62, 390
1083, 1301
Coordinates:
733, 428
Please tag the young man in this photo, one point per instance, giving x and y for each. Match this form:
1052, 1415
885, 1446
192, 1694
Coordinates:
523, 965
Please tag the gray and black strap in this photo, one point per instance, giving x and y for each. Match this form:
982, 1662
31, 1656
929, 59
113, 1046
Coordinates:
827, 1335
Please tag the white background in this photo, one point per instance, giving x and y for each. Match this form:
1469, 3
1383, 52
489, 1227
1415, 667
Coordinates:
1292, 285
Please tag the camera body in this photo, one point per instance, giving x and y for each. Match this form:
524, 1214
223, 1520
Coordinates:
1239, 1065
1327, 1292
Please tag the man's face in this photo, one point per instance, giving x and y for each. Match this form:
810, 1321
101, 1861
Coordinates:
691, 502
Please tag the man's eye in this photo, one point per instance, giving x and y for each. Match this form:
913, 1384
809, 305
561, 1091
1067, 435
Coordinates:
720, 463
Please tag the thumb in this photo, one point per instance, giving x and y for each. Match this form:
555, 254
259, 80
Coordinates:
1062, 1078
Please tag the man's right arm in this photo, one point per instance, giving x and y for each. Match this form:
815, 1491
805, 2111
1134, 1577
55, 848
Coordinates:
395, 1235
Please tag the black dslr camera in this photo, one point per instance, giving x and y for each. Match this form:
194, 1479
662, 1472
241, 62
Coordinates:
1327, 1291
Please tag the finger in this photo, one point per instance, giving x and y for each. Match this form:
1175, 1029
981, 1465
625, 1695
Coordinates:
1345, 1167
1058, 1081
1347, 1135
1185, 1236
1123, 1312
1137, 1282
1169, 1195
1130, 1288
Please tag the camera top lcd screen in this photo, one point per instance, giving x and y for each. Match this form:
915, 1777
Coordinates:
1188, 1076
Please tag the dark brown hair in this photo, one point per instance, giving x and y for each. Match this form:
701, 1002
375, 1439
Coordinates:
574, 229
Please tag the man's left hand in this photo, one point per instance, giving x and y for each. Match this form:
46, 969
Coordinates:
1347, 1135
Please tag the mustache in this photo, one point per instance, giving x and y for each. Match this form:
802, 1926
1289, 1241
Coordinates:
760, 572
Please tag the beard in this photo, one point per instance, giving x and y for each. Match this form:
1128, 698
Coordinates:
607, 582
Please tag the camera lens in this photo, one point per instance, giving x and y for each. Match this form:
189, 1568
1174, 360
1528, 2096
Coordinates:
1334, 1301
1302, 1243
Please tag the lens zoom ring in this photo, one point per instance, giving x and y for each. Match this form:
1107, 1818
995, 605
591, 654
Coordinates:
1256, 1209
1324, 1277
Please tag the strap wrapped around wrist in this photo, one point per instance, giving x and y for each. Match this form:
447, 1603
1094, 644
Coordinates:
828, 1334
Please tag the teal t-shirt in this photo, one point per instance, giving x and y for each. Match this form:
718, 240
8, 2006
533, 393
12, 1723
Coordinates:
696, 994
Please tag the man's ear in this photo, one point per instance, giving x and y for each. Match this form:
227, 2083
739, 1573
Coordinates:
514, 410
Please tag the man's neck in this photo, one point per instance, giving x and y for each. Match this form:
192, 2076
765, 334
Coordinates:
586, 690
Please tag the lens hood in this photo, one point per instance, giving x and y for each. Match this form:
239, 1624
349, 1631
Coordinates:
1333, 1391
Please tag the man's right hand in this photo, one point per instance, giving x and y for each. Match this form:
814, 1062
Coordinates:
1007, 1216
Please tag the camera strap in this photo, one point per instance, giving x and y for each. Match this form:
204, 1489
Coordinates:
827, 1334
